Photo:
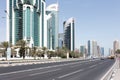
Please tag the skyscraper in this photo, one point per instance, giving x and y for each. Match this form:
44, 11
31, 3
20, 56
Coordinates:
95, 50
31, 21
69, 34
82, 49
52, 25
102, 51
111, 52
92, 48
90, 52
115, 45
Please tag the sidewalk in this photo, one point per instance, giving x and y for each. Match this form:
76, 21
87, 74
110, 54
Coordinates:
116, 72
117, 75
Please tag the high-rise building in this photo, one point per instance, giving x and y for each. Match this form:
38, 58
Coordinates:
115, 45
92, 49
102, 51
90, 52
52, 25
95, 50
82, 49
99, 51
111, 52
31, 21
69, 34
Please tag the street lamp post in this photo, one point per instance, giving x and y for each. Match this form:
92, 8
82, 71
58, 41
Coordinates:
8, 52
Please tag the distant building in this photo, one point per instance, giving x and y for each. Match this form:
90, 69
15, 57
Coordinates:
95, 50
69, 34
92, 49
102, 51
82, 49
111, 52
99, 51
90, 52
52, 26
115, 45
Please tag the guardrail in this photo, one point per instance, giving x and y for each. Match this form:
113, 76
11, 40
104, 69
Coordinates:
108, 75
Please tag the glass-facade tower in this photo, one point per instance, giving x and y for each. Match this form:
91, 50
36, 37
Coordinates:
52, 26
69, 34
26, 20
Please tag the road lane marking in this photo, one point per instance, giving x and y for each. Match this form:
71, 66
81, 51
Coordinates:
70, 73
92, 66
75, 66
38, 68
44, 72
20, 77
65, 64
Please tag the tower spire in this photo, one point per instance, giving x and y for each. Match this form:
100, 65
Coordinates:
57, 5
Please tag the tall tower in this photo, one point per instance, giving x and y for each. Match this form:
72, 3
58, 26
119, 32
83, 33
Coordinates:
52, 26
115, 45
26, 20
92, 49
90, 52
95, 50
69, 34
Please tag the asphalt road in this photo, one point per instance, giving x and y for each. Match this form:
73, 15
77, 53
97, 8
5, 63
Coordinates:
70, 70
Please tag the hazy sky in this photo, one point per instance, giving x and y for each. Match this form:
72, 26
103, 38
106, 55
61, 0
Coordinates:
94, 20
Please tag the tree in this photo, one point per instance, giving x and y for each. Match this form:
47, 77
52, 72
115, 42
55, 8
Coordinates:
59, 50
22, 45
5, 45
39, 53
51, 54
44, 50
118, 51
62, 52
34, 51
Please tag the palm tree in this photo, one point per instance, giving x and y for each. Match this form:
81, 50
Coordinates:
34, 52
22, 45
5, 45
57, 50
66, 50
44, 51
39, 53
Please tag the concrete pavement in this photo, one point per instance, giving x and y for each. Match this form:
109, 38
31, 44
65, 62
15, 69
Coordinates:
116, 71
116, 75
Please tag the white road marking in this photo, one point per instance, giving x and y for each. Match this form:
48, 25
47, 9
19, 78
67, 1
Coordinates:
70, 73
74, 66
92, 66
44, 72
38, 68
9, 73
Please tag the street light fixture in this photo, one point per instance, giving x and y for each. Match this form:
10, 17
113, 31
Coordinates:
8, 52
